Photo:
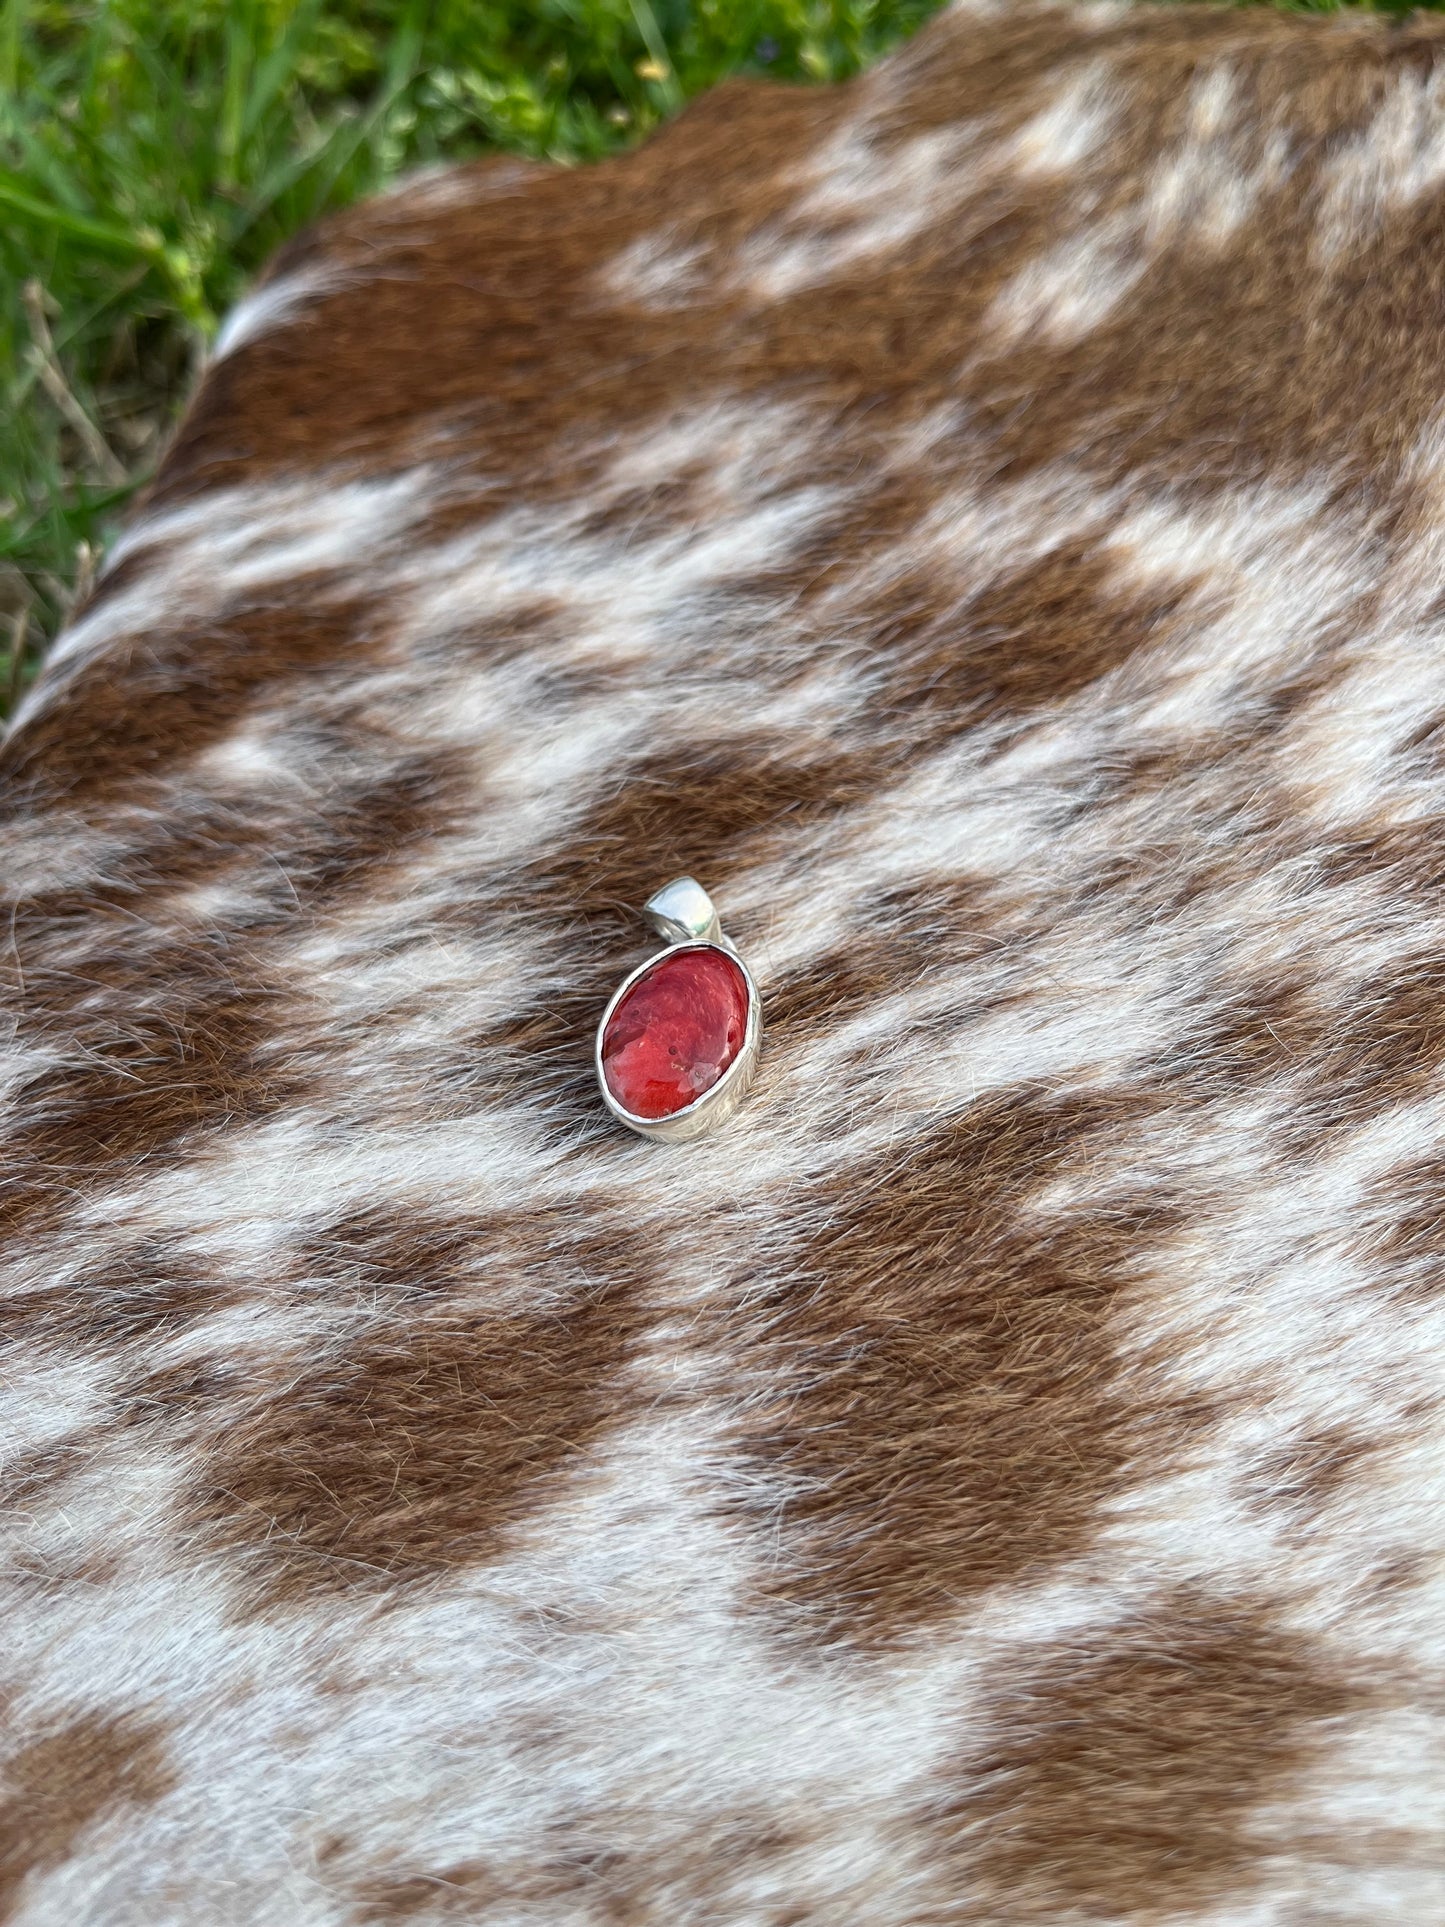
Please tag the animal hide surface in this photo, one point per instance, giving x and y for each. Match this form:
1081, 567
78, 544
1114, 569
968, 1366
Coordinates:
987, 522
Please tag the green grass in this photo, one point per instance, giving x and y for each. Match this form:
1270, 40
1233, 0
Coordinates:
153, 153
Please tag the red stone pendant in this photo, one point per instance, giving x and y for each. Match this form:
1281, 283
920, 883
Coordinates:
678, 1042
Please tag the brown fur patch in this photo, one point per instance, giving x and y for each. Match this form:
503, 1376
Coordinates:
165, 1034
1126, 1783
417, 1449
60, 1781
1303, 1475
1348, 1056
178, 696
1388, 1047
456, 1892
1404, 1228
713, 1873
408, 1253
1037, 636
895, 940
149, 1289
691, 810
950, 1418
156, 1070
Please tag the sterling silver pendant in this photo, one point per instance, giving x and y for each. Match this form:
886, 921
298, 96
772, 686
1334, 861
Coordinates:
678, 1042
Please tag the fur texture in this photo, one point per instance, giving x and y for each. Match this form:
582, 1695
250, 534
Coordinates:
988, 523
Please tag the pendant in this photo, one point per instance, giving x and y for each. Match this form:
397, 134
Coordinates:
678, 1043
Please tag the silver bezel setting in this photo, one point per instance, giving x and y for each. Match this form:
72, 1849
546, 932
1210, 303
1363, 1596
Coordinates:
715, 1106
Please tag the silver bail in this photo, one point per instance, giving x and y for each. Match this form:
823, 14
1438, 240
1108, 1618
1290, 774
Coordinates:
682, 911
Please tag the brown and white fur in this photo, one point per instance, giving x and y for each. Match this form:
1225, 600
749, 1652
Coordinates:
986, 521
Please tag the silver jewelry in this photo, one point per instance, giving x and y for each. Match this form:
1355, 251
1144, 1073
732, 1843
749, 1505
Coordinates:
678, 1042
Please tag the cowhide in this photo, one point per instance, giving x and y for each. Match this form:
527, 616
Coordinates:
987, 522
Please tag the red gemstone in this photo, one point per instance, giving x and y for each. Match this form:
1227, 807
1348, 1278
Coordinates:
675, 1032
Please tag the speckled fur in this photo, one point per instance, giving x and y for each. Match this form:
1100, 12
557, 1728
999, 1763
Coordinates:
988, 522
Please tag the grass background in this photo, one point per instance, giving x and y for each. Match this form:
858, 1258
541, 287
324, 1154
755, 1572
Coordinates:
153, 153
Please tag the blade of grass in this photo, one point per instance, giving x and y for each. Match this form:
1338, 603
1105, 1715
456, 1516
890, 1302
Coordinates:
239, 36
105, 235
345, 139
664, 78
52, 379
59, 181
19, 626
61, 524
278, 67
11, 19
